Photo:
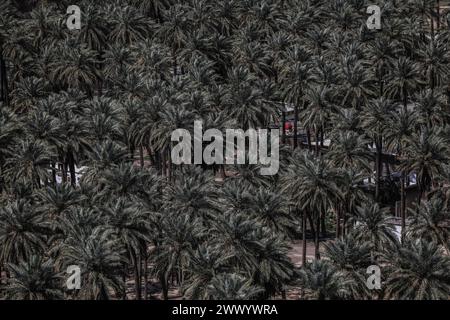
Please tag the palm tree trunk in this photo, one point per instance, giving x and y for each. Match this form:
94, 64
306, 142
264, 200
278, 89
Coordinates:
2, 76
1, 72
64, 172
338, 221
321, 137
71, 161
141, 156
169, 165
124, 279
349, 209
38, 180
432, 26
421, 192
296, 126
405, 100
308, 138
380, 79
175, 62
3, 79
344, 222
316, 146
141, 272
137, 278
323, 226
438, 12
316, 238
403, 202
103, 295
311, 225
145, 275
165, 290
163, 163
378, 167
388, 169
54, 173
153, 160
132, 149
304, 238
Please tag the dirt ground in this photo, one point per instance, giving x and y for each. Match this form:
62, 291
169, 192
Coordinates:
297, 250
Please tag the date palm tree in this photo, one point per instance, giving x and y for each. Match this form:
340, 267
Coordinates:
270, 208
235, 197
125, 181
191, 193
23, 232
43, 127
247, 106
429, 221
273, 269
418, 270
352, 259
153, 8
350, 184
380, 53
101, 260
93, 29
428, 107
205, 264
426, 155
34, 279
349, 151
426, 10
30, 162
127, 25
232, 286
374, 121
128, 224
435, 63
174, 30
57, 199
103, 156
236, 235
311, 183
371, 225
295, 75
27, 93
6, 25
319, 110
76, 68
118, 59
404, 80
178, 237
9, 128
356, 83
76, 142
152, 58
400, 127
169, 119
321, 281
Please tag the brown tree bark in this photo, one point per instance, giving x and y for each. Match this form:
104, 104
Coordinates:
304, 247
316, 239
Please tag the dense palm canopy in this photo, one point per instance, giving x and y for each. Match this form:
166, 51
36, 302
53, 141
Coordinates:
34, 279
419, 270
87, 179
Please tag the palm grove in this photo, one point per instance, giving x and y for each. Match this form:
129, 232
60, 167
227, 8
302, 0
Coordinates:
106, 99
